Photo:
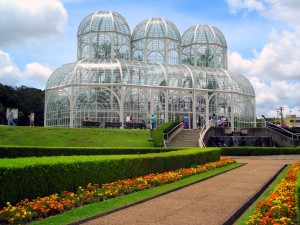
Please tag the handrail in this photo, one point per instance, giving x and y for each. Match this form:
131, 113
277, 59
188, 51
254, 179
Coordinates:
287, 133
202, 133
166, 135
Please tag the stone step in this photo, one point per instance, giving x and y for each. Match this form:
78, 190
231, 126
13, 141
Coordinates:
183, 145
187, 138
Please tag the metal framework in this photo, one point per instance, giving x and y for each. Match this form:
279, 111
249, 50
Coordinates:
107, 89
204, 45
103, 35
156, 40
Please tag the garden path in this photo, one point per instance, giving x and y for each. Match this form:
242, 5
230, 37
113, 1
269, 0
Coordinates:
214, 201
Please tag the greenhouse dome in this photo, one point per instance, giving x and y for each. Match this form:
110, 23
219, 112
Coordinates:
156, 40
103, 34
107, 89
204, 45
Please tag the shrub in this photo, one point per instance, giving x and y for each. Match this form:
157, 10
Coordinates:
158, 139
30, 151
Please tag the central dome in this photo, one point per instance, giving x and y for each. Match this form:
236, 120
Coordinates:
156, 40
156, 27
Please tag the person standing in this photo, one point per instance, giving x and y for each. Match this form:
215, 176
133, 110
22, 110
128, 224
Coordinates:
186, 121
153, 122
263, 121
214, 120
10, 118
31, 119
141, 119
198, 123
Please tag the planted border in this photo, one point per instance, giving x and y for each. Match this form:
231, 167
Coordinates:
42, 176
280, 206
27, 211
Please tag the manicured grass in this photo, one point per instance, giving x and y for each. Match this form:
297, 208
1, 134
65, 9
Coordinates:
101, 207
245, 217
71, 137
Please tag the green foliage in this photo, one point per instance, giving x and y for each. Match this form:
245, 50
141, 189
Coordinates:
248, 151
158, 139
36, 177
35, 151
25, 99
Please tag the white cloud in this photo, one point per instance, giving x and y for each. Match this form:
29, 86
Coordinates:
27, 21
271, 96
278, 60
9, 73
237, 5
285, 10
273, 71
35, 74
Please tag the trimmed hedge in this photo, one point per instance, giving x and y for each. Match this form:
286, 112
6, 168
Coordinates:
249, 151
28, 151
157, 136
37, 177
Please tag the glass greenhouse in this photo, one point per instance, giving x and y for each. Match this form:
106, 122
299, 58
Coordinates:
151, 72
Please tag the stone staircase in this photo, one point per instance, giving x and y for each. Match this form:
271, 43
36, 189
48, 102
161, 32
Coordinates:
186, 138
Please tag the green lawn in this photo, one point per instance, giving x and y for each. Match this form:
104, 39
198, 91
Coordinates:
69, 137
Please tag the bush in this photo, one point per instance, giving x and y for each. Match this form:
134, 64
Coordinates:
29, 151
37, 177
157, 136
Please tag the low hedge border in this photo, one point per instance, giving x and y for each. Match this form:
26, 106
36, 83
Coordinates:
29, 151
252, 151
36, 177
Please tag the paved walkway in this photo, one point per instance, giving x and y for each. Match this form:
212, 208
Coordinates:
210, 202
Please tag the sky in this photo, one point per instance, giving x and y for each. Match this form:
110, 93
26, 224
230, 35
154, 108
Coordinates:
263, 39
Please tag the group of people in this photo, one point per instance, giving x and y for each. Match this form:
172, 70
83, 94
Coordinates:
185, 122
129, 120
10, 118
218, 122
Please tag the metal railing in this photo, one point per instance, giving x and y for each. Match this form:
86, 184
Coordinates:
166, 135
285, 132
202, 134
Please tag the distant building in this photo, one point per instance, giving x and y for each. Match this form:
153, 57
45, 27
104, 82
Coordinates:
151, 71
289, 120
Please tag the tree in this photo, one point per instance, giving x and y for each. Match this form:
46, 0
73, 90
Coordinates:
25, 99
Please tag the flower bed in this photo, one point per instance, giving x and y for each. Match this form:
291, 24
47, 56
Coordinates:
37, 209
280, 206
